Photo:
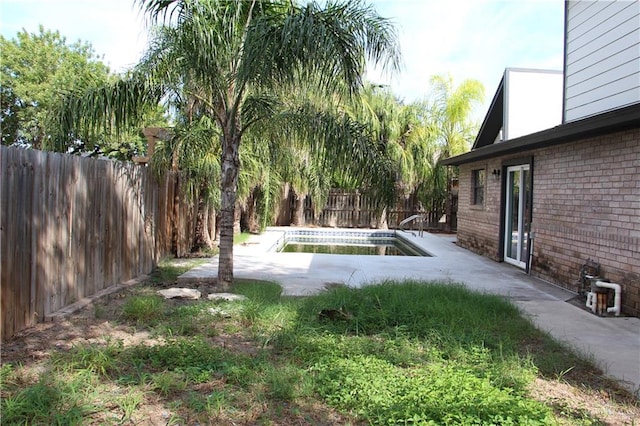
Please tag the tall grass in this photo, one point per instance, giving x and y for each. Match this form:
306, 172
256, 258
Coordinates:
416, 352
144, 309
392, 353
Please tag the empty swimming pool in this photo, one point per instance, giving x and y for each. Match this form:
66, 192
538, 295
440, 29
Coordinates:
348, 242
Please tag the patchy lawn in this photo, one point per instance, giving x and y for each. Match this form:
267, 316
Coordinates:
410, 352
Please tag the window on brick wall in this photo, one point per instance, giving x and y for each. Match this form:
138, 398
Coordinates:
477, 187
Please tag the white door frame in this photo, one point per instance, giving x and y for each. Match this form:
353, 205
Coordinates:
521, 234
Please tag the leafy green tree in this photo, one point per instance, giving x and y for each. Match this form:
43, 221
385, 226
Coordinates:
34, 70
237, 54
449, 108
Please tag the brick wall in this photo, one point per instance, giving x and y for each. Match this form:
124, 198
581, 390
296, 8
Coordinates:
479, 225
586, 205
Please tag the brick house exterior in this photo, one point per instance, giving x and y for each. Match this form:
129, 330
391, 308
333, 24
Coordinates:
552, 200
586, 205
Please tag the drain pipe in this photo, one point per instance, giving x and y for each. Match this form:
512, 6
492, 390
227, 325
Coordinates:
617, 300
592, 297
531, 241
592, 301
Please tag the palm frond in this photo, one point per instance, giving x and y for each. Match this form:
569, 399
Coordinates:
111, 107
328, 45
259, 107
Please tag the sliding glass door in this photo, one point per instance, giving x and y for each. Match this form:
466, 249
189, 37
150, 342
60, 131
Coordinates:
517, 215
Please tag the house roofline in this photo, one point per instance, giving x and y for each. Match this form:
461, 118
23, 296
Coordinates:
493, 120
608, 122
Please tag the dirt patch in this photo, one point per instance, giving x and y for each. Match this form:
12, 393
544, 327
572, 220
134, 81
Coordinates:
588, 402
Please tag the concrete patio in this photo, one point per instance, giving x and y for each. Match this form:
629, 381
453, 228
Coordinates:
613, 342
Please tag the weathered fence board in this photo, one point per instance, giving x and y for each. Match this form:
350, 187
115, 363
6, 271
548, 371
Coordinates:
71, 227
352, 209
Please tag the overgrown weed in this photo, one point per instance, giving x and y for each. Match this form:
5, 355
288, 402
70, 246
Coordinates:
394, 352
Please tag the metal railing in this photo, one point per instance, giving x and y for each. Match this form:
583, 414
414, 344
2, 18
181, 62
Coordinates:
419, 218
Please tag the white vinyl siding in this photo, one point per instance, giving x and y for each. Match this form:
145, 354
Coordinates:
602, 64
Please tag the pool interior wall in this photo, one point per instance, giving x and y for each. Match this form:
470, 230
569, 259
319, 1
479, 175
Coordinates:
352, 237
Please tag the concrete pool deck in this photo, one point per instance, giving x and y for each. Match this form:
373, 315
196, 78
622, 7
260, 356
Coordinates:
613, 342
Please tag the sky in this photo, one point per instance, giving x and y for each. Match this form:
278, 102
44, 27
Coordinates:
468, 39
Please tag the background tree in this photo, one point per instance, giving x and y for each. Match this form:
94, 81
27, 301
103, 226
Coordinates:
192, 152
450, 107
239, 53
34, 70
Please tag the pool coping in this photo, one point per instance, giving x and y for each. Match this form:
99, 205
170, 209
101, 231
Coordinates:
346, 233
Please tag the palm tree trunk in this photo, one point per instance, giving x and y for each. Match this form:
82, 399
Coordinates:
249, 219
212, 226
237, 216
284, 212
215, 231
297, 218
202, 237
382, 222
229, 188
447, 205
175, 229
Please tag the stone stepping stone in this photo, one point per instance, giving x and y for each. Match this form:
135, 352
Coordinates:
180, 293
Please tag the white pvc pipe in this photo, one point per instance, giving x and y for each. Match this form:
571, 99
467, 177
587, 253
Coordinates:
591, 301
617, 300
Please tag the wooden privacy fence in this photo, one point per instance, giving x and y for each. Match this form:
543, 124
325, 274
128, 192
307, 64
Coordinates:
72, 226
352, 209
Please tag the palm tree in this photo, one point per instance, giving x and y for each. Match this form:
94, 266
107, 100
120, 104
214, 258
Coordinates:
308, 148
450, 109
403, 133
238, 53
193, 153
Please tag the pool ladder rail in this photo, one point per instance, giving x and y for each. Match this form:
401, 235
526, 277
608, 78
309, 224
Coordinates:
420, 218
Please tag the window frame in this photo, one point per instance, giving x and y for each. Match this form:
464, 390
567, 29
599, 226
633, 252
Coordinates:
478, 186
